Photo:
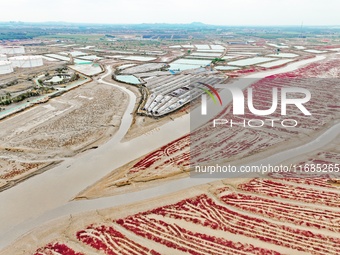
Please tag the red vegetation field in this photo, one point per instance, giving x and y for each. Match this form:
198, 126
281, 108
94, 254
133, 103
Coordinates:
112, 242
257, 216
56, 249
292, 192
159, 157
179, 238
203, 211
284, 212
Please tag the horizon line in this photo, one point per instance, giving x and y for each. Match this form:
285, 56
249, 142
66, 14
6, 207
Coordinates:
170, 23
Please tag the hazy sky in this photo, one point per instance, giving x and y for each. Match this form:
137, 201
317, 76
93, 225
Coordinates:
219, 12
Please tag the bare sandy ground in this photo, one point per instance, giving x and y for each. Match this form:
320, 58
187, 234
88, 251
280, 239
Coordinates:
48, 133
144, 125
